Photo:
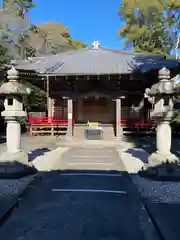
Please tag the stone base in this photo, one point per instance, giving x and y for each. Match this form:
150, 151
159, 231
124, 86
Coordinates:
15, 165
162, 167
120, 138
156, 159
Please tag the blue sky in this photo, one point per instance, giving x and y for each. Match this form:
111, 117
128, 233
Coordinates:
87, 20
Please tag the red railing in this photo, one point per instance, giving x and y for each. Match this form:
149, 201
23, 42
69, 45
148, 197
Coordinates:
47, 120
137, 123
126, 122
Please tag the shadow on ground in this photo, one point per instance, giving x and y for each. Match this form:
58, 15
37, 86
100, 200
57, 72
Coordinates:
15, 170
146, 145
86, 205
78, 205
37, 152
138, 153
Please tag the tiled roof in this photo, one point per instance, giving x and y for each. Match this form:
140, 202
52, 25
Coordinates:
90, 61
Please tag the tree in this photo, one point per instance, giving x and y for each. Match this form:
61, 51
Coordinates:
4, 56
151, 26
56, 38
48, 38
14, 24
21, 39
21, 7
36, 101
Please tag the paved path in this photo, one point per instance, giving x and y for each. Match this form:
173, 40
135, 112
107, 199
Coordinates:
92, 158
80, 204
11, 188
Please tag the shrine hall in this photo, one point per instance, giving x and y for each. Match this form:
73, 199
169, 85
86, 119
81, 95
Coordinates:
95, 85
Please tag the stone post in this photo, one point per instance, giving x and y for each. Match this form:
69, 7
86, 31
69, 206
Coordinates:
14, 161
162, 92
70, 118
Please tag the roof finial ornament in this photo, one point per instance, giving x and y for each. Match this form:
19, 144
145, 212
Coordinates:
96, 45
13, 63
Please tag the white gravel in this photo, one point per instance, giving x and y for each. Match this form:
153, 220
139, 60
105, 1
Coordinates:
161, 192
35, 147
156, 191
12, 187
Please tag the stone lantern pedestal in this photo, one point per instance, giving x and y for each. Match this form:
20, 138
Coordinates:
162, 163
14, 161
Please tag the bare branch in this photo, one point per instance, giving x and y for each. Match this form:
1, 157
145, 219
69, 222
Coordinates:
177, 46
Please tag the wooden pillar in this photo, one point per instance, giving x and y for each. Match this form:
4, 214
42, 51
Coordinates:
48, 99
118, 118
70, 118
53, 107
49, 107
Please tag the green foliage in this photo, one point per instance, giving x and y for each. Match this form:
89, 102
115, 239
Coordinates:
150, 26
4, 56
48, 38
176, 118
36, 100
14, 23
20, 39
21, 7
175, 124
58, 38
77, 44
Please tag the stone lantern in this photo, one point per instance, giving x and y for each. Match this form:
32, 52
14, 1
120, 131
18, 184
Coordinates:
14, 161
161, 95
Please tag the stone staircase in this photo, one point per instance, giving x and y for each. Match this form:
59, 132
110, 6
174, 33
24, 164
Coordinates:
108, 131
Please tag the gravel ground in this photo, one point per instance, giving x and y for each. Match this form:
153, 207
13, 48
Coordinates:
157, 191
11, 188
148, 143
161, 192
162, 199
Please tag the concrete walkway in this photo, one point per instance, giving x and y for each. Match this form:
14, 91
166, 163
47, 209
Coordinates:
78, 204
162, 199
91, 158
